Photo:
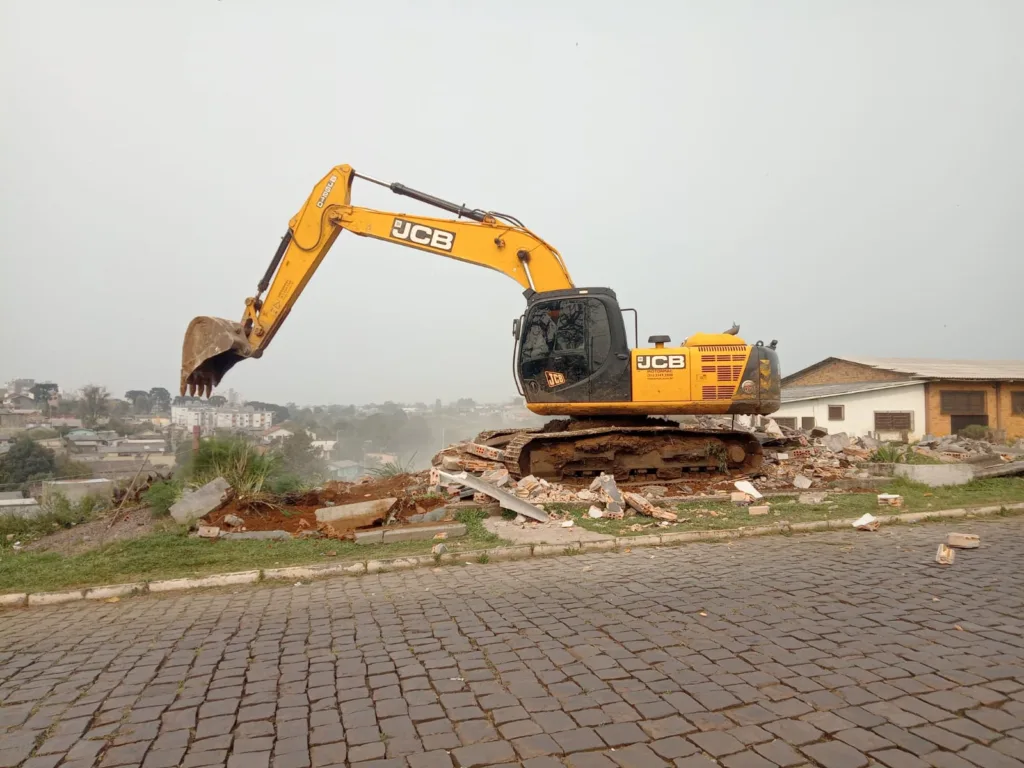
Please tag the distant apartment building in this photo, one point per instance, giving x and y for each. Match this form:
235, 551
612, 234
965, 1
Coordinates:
209, 417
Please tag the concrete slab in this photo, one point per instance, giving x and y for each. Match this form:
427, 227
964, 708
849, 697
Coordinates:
548, 533
936, 475
422, 532
359, 514
192, 506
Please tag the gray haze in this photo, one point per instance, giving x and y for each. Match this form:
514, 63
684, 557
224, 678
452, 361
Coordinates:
845, 177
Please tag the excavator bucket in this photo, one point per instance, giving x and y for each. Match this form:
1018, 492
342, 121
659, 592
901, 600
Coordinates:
212, 345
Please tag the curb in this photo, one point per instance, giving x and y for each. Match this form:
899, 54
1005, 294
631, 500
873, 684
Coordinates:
496, 554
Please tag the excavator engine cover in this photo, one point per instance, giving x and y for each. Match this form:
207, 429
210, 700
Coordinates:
212, 345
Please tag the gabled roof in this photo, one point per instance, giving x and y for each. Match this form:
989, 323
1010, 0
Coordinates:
935, 368
817, 391
930, 368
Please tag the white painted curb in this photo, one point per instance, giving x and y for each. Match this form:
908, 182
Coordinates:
514, 552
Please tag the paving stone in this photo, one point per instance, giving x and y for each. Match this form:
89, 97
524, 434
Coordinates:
780, 753
477, 755
716, 743
637, 756
985, 757
794, 732
673, 747
746, 759
621, 734
834, 754
897, 758
578, 740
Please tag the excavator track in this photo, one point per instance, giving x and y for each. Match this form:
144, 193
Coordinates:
625, 451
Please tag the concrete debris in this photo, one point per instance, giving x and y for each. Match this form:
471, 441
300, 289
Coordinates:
567, 523
945, 555
762, 509
586, 495
654, 491
890, 499
866, 522
483, 451
739, 498
747, 487
963, 540
233, 521
802, 482
506, 500
433, 516
772, 428
595, 512
439, 549
837, 442
209, 531
257, 535
201, 502
819, 431
359, 515
644, 507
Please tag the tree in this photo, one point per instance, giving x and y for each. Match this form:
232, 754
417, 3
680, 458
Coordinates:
299, 456
44, 392
139, 398
93, 404
26, 461
160, 398
217, 400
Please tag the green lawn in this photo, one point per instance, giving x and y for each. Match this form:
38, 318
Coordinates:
718, 515
172, 554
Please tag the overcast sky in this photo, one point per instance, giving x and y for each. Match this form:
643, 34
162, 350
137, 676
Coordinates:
845, 177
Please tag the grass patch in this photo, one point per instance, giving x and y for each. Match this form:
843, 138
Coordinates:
59, 514
721, 515
172, 554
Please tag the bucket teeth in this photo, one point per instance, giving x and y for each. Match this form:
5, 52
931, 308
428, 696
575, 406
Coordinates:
212, 346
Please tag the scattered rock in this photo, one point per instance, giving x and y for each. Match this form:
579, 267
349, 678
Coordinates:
209, 531
654, 491
595, 512
866, 522
747, 487
963, 540
233, 521
439, 549
945, 555
644, 507
802, 482
762, 509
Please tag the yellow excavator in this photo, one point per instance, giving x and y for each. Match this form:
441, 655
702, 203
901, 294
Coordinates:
571, 351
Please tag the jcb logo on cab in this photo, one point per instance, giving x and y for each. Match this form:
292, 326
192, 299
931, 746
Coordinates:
420, 234
659, 362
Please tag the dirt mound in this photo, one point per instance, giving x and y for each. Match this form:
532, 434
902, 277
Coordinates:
296, 513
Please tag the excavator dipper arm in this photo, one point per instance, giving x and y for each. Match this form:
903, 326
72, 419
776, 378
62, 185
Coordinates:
213, 345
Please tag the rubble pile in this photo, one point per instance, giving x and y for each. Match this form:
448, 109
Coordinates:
952, 448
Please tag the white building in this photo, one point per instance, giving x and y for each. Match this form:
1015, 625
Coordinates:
885, 410
209, 417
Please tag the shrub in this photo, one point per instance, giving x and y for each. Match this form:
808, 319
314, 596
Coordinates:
234, 459
974, 432
286, 484
161, 496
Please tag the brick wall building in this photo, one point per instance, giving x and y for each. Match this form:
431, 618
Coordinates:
957, 392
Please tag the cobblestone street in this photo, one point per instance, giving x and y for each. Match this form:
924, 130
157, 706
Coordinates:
839, 650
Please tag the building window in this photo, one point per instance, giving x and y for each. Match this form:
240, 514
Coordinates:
836, 412
807, 422
965, 403
1017, 403
786, 421
894, 421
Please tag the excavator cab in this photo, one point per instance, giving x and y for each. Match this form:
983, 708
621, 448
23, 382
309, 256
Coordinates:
572, 347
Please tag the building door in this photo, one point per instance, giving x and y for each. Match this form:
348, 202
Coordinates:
956, 423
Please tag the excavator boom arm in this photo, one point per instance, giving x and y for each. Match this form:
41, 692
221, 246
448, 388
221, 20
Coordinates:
214, 345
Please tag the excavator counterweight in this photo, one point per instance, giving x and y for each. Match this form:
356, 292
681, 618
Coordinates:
573, 357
